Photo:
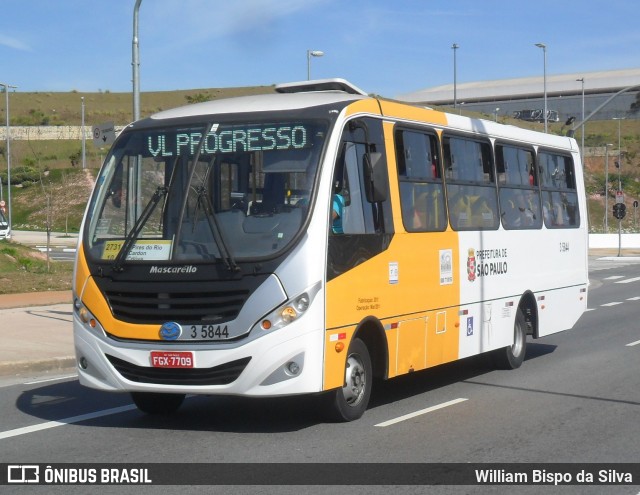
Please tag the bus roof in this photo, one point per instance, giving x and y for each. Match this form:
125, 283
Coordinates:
259, 103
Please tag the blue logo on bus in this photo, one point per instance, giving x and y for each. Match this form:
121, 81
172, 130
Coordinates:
170, 331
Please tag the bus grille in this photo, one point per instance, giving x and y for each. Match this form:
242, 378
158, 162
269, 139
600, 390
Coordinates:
183, 306
218, 375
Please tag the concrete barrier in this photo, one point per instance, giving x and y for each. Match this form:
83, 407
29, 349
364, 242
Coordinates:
610, 241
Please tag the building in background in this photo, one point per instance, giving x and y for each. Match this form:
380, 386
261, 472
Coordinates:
524, 97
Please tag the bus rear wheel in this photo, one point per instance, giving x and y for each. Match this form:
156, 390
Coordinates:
512, 357
155, 403
350, 402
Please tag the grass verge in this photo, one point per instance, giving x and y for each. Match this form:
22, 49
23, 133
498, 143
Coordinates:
23, 269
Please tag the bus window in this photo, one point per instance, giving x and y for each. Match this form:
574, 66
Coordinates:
559, 195
471, 191
517, 180
358, 215
421, 189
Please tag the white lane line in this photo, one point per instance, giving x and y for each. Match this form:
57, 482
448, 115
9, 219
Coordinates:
637, 342
615, 303
628, 280
637, 298
590, 309
613, 277
51, 379
66, 421
419, 413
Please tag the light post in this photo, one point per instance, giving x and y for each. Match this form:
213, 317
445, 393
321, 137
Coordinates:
606, 189
619, 162
6, 94
135, 62
619, 167
582, 140
312, 53
84, 146
455, 47
544, 54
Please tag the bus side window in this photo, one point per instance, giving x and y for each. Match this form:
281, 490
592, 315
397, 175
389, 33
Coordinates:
421, 189
359, 216
518, 190
559, 195
471, 191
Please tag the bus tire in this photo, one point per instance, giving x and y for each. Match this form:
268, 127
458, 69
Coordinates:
350, 402
512, 357
155, 403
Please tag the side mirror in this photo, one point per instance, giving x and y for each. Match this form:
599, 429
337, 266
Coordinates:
375, 177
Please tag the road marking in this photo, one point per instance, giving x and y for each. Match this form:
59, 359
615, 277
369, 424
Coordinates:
628, 280
637, 342
615, 303
590, 309
419, 413
637, 298
66, 421
51, 379
614, 277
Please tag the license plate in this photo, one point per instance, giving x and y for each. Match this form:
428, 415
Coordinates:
172, 359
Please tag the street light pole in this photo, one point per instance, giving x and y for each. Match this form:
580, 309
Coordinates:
6, 93
84, 146
544, 54
312, 53
582, 141
135, 62
606, 188
455, 47
619, 167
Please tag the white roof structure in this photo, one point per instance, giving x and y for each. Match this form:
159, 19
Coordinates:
527, 87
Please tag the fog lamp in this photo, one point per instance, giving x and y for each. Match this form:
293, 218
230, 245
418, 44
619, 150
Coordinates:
293, 368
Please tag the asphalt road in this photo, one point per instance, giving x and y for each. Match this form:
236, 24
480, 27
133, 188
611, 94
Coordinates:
61, 246
576, 399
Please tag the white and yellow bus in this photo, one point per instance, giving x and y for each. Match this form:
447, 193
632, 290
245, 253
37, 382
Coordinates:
308, 241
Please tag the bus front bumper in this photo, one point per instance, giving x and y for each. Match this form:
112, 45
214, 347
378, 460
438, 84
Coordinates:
285, 362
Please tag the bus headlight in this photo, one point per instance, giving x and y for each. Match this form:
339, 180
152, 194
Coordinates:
290, 311
85, 315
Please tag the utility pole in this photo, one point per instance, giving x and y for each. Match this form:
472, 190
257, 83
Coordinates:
135, 62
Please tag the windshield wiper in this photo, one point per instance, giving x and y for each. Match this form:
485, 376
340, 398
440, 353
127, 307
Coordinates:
132, 236
218, 235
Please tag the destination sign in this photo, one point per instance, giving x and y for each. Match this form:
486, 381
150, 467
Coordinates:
230, 139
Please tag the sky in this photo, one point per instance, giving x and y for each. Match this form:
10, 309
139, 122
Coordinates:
389, 48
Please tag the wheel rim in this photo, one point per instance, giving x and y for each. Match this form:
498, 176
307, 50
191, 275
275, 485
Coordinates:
355, 380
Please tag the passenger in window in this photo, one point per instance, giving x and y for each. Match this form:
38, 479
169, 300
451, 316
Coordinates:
532, 177
482, 213
420, 214
526, 211
517, 213
461, 209
337, 210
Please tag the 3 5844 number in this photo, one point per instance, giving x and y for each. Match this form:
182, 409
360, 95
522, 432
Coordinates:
209, 332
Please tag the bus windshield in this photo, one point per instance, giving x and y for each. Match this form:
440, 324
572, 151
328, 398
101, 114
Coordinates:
209, 192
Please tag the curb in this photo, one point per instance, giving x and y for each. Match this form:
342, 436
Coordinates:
51, 364
30, 299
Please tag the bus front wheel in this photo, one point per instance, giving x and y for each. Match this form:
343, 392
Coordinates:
512, 357
350, 402
155, 403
